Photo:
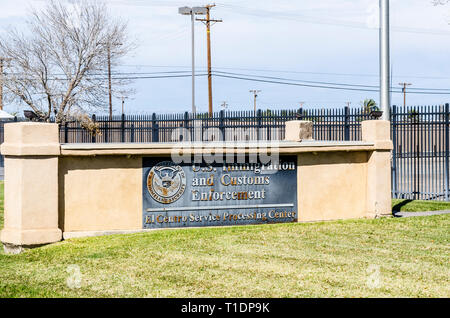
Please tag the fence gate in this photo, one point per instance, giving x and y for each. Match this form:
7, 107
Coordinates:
420, 160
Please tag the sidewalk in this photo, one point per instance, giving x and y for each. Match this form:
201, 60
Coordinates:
412, 214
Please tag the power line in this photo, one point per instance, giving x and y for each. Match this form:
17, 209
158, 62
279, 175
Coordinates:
321, 21
116, 74
329, 83
239, 9
283, 79
106, 74
260, 78
304, 81
126, 78
323, 86
287, 71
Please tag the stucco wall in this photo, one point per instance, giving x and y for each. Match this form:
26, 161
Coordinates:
100, 193
332, 186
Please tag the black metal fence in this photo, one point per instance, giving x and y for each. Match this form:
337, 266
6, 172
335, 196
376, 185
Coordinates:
330, 124
420, 160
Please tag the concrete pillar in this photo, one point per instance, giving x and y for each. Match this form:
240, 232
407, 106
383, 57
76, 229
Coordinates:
379, 196
31, 153
299, 130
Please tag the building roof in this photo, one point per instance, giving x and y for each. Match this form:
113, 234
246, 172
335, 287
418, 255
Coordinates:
5, 115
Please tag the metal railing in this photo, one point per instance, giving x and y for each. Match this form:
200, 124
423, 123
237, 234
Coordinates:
420, 160
330, 124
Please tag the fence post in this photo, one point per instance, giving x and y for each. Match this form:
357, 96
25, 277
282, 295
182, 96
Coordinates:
300, 113
132, 132
122, 126
258, 124
186, 124
379, 193
106, 130
347, 123
66, 132
222, 124
93, 135
447, 151
31, 213
154, 129
394, 150
415, 154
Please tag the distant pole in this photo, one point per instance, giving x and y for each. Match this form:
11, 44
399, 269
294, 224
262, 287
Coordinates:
255, 95
2, 60
385, 102
193, 61
192, 12
208, 44
108, 51
109, 83
404, 91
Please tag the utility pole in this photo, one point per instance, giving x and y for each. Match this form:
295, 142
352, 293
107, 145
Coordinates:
404, 91
123, 104
108, 49
255, 95
224, 105
385, 100
208, 21
2, 60
109, 83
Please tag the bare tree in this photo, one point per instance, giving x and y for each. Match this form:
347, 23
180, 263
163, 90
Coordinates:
59, 66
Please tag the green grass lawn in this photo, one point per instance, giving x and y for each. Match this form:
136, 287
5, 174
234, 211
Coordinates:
419, 206
1, 204
360, 258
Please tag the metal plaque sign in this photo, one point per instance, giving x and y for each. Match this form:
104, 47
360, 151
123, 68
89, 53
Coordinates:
194, 195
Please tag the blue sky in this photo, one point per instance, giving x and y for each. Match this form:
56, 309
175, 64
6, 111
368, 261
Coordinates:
327, 41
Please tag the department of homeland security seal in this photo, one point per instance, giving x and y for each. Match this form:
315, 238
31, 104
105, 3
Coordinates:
166, 182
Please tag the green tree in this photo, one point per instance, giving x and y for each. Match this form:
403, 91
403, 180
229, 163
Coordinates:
369, 105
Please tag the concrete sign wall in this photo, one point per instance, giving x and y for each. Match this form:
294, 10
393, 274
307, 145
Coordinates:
55, 191
191, 195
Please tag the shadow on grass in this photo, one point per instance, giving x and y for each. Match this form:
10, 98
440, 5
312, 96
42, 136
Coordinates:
398, 207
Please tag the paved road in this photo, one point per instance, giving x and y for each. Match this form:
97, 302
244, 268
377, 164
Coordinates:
412, 214
2, 174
